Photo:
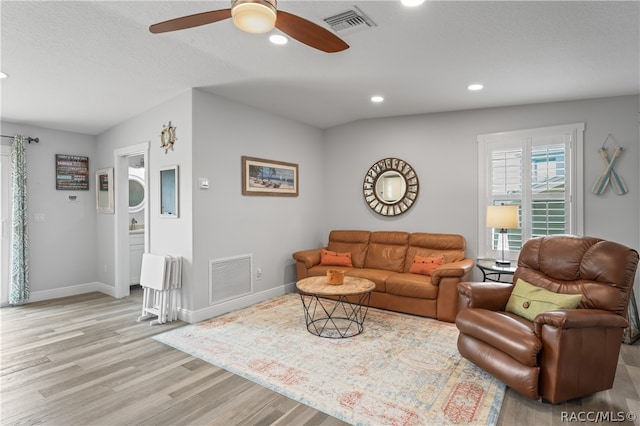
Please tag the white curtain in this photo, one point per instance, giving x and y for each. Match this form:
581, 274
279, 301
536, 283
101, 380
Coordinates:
19, 284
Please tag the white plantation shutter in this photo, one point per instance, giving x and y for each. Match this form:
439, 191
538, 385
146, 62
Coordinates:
537, 171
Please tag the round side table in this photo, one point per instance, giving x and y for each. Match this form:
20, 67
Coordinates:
493, 272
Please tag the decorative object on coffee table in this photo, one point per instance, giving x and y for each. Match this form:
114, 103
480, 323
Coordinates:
335, 311
335, 277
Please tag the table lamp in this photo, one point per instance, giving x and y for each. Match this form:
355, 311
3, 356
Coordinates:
502, 217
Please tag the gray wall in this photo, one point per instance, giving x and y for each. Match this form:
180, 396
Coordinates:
213, 133
167, 236
443, 150
229, 224
62, 248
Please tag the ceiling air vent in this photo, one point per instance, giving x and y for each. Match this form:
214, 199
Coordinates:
349, 21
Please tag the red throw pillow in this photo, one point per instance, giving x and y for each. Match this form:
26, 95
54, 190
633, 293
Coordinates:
334, 258
425, 265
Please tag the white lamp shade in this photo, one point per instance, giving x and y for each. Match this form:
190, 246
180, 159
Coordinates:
504, 217
254, 18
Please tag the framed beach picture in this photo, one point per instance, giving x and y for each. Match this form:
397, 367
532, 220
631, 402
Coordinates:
269, 177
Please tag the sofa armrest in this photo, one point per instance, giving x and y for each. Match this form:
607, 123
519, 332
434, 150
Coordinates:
575, 341
578, 318
310, 258
453, 269
490, 295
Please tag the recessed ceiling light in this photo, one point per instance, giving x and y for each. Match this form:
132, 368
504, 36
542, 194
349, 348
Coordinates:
377, 99
475, 86
3, 75
412, 3
278, 39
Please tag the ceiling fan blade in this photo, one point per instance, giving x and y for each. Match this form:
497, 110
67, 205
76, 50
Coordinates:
190, 21
309, 33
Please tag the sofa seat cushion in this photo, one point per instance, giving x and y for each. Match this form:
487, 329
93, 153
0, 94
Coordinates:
504, 331
412, 285
378, 276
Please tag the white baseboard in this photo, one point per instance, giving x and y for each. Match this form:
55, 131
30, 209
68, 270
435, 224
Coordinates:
231, 305
72, 290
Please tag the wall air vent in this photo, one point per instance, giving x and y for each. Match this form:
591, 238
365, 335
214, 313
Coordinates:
230, 278
349, 21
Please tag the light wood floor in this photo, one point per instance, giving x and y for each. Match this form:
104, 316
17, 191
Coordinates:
84, 360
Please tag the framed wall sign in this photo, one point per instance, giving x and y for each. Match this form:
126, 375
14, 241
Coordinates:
268, 177
72, 172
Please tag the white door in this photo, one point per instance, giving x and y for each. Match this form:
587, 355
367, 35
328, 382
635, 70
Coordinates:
5, 220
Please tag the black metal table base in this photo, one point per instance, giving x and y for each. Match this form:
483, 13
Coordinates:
335, 318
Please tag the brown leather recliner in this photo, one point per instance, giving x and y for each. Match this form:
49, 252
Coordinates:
562, 354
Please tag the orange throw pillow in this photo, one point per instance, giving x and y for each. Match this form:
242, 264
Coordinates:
425, 265
334, 258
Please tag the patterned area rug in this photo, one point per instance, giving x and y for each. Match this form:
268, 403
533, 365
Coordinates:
402, 370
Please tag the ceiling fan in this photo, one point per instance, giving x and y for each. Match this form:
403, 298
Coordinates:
260, 16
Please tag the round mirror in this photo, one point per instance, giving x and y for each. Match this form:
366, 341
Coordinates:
136, 194
390, 187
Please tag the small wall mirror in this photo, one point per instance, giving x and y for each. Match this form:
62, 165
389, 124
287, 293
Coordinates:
104, 191
390, 187
169, 192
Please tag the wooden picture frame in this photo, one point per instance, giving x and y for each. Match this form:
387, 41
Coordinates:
269, 177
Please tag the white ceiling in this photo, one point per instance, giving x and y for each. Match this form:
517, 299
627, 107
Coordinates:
87, 66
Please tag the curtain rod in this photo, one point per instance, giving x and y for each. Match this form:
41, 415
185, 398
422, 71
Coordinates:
29, 139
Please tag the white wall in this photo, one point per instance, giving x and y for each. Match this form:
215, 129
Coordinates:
213, 134
62, 248
442, 149
228, 224
167, 236
69, 250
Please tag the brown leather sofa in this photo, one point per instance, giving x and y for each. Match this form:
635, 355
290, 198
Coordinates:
385, 258
561, 354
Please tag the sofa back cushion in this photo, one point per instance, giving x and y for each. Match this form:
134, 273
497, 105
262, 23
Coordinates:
387, 250
450, 246
602, 271
354, 242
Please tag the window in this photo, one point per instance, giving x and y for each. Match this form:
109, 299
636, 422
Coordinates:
539, 171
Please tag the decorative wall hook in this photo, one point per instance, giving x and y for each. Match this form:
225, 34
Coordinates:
167, 137
609, 175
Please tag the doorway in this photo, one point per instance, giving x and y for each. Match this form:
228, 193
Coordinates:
131, 224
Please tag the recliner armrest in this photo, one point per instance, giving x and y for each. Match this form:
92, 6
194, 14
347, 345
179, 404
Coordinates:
578, 318
453, 269
487, 295
310, 257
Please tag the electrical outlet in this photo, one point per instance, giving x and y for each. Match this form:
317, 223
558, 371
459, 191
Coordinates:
258, 273
105, 267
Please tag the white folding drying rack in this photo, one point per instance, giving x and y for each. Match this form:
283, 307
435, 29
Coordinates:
161, 279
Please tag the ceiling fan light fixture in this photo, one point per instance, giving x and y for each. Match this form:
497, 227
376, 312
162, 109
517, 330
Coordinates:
254, 16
